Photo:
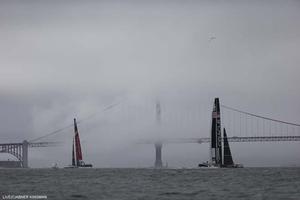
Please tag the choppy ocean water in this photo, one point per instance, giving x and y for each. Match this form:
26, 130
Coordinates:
130, 184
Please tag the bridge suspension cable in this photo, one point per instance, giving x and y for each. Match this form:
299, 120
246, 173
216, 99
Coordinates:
259, 116
57, 131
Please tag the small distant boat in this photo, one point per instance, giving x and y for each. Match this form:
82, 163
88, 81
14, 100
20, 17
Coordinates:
55, 166
77, 161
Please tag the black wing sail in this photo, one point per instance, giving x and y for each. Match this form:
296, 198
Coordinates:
228, 161
216, 143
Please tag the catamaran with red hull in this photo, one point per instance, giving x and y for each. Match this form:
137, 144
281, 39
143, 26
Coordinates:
77, 161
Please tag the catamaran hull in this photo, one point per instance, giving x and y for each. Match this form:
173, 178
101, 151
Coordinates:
76, 167
86, 166
70, 167
203, 166
207, 165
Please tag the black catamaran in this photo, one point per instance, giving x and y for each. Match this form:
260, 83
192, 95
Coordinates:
77, 161
220, 153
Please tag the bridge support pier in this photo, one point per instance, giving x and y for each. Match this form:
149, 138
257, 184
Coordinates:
25, 154
158, 161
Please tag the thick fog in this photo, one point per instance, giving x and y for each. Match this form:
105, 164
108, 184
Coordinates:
66, 59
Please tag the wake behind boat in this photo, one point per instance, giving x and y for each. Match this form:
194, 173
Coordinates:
77, 161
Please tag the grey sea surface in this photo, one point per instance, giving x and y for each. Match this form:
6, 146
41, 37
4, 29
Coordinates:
130, 184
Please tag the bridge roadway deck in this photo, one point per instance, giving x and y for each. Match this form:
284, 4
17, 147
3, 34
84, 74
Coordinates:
230, 139
32, 144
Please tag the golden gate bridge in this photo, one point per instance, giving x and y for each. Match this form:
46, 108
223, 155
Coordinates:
242, 126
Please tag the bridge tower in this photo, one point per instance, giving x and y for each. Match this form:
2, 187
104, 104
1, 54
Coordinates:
158, 144
158, 159
25, 154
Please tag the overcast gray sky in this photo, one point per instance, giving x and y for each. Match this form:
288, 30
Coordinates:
66, 59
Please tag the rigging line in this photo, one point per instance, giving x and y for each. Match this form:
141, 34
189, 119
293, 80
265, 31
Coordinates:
71, 125
259, 116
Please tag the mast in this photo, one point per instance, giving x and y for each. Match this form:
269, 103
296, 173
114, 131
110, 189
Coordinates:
77, 145
228, 161
73, 154
216, 143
